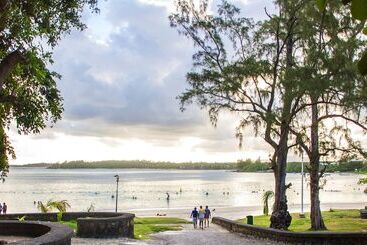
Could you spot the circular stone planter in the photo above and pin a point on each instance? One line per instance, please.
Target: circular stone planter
(34, 232)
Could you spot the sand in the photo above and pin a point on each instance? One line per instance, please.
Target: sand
(238, 212)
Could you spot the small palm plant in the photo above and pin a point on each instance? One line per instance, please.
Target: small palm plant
(266, 197)
(43, 207)
(61, 206)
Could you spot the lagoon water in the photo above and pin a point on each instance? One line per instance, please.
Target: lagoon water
(82, 187)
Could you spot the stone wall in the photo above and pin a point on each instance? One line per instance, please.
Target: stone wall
(364, 213)
(120, 226)
(45, 233)
(326, 238)
(67, 216)
(90, 224)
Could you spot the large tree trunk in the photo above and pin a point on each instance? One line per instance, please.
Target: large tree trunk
(280, 217)
(317, 223)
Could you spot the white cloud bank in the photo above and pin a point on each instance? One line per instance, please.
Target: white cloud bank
(120, 81)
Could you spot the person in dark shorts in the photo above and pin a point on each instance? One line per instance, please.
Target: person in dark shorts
(194, 215)
(207, 216)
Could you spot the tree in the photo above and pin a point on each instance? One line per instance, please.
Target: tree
(328, 50)
(29, 30)
(246, 68)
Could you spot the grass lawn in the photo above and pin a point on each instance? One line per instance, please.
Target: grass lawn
(145, 226)
(72, 224)
(336, 220)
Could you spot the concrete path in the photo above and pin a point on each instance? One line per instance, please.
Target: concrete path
(214, 235)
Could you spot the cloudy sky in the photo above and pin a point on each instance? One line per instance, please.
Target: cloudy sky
(120, 79)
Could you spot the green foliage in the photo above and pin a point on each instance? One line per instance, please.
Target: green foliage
(28, 92)
(71, 223)
(44, 208)
(61, 206)
(296, 167)
(143, 227)
(321, 4)
(22, 218)
(252, 166)
(336, 221)
(362, 64)
(59, 216)
(265, 198)
(362, 181)
(358, 9)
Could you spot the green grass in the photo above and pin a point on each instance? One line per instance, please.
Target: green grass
(72, 224)
(146, 226)
(337, 220)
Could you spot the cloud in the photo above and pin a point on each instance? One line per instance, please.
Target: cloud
(120, 79)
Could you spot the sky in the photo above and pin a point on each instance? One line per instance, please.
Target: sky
(120, 80)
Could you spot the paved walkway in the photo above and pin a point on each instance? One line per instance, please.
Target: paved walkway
(214, 235)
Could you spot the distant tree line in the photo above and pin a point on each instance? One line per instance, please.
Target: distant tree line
(247, 165)
(295, 167)
(142, 164)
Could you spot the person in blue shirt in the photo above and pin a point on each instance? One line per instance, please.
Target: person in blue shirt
(207, 216)
(194, 215)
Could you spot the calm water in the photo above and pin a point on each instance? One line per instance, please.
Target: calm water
(83, 187)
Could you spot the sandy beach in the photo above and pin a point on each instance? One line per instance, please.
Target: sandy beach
(239, 212)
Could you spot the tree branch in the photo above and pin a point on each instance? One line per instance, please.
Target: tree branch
(7, 65)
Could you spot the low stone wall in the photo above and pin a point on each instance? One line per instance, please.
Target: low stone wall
(364, 213)
(67, 216)
(326, 238)
(46, 233)
(90, 224)
(120, 226)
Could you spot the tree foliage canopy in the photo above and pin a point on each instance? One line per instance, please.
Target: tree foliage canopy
(29, 30)
(358, 9)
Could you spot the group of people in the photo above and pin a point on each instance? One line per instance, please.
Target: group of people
(3, 208)
(201, 215)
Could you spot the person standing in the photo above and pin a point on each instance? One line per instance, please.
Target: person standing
(201, 217)
(1, 208)
(194, 215)
(5, 208)
(207, 216)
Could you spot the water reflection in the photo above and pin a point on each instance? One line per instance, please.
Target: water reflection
(185, 188)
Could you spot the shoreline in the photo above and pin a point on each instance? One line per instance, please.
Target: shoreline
(238, 212)
(233, 170)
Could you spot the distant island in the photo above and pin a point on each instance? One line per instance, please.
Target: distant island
(247, 165)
